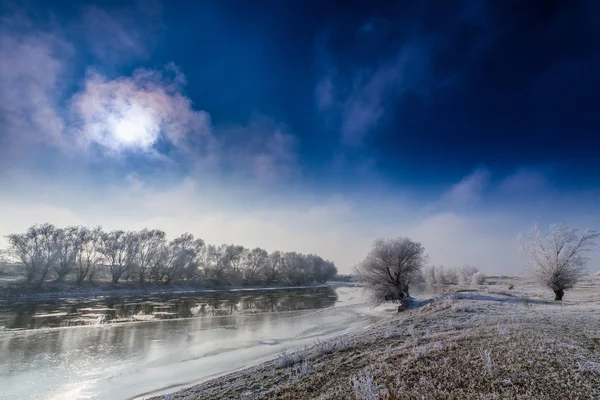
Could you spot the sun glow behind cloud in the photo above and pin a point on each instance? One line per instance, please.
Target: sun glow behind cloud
(135, 113)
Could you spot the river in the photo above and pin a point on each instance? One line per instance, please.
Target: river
(132, 347)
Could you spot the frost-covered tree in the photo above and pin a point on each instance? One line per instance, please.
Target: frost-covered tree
(87, 255)
(557, 258)
(440, 275)
(36, 250)
(119, 249)
(254, 262)
(66, 251)
(150, 245)
(181, 253)
(390, 267)
(272, 269)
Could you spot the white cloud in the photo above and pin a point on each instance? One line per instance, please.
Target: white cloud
(32, 67)
(469, 191)
(262, 149)
(364, 107)
(523, 182)
(145, 113)
(135, 113)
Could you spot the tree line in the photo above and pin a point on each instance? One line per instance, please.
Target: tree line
(46, 251)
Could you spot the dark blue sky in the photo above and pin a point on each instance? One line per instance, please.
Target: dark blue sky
(419, 92)
(503, 84)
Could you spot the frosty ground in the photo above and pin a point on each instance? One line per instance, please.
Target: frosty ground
(487, 342)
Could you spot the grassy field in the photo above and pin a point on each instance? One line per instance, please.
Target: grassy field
(484, 343)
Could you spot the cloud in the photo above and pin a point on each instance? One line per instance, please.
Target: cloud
(364, 107)
(135, 113)
(122, 37)
(360, 94)
(32, 73)
(524, 181)
(262, 149)
(469, 191)
(45, 110)
(324, 94)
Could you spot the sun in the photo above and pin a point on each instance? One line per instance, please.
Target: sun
(133, 127)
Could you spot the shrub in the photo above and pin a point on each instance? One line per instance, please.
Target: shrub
(301, 369)
(285, 359)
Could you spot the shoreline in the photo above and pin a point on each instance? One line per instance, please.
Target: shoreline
(119, 290)
(536, 349)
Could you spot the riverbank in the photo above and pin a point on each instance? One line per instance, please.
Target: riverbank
(469, 345)
(57, 290)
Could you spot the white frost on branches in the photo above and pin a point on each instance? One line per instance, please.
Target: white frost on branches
(557, 259)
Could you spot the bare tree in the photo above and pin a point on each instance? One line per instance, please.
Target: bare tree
(119, 249)
(318, 269)
(181, 252)
(66, 251)
(234, 260)
(390, 267)
(87, 255)
(148, 252)
(272, 268)
(294, 268)
(557, 258)
(254, 262)
(36, 250)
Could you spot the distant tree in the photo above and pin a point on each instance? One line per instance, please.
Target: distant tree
(146, 254)
(87, 254)
(557, 259)
(180, 253)
(36, 250)
(193, 268)
(294, 268)
(440, 275)
(66, 251)
(119, 249)
(150, 244)
(390, 267)
(271, 271)
(342, 278)
(233, 258)
(255, 261)
(318, 269)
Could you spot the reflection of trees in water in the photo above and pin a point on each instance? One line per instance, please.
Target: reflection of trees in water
(232, 305)
(22, 315)
(308, 299)
(184, 309)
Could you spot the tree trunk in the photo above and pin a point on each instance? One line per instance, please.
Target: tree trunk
(558, 294)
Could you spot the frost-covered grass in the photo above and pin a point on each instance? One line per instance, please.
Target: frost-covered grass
(301, 369)
(516, 345)
(486, 358)
(364, 386)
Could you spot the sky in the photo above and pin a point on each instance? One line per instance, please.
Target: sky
(305, 126)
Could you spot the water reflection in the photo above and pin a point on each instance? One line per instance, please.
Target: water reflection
(190, 337)
(19, 314)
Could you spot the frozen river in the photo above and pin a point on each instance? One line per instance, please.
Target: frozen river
(132, 347)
